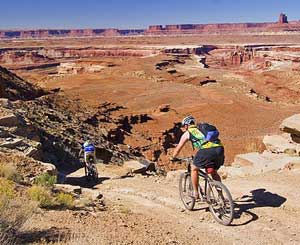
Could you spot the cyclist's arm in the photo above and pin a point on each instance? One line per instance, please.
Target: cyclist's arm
(184, 138)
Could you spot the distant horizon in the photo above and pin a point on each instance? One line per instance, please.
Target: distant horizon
(128, 28)
(136, 14)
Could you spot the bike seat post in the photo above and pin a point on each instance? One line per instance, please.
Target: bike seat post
(189, 167)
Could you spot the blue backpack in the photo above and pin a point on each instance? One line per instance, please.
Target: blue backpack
(210, 132)
(89, 148)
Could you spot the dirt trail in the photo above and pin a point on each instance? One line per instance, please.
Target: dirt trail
(267, 206)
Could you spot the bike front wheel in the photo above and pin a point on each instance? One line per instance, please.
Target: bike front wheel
(186, 191)
(220, 202)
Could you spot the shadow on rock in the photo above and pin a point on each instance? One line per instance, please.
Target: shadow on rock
(258, 198)
(83, 182)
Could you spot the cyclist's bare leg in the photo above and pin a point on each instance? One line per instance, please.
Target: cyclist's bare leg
(195, 180)
(217, 177)
(85, 159)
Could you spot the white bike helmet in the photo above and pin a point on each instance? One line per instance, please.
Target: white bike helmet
(188, 120)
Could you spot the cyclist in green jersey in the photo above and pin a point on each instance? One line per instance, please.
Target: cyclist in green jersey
(210, 155)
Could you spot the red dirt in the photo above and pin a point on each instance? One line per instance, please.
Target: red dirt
(135, 83)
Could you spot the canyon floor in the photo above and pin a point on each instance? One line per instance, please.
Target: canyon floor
(138, 88)
(144, 98)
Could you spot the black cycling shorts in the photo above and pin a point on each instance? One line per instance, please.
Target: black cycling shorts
(212, 157)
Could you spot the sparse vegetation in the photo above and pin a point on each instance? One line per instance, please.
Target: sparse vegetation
(14, 211)
(65, 200)
(45, 180)
(9, 172)
(6, 191)
(41, 195)
(6, 171)
(124, 210)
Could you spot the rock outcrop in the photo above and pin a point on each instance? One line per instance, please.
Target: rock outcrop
(75, 68)
(282, 152)
(291, 125)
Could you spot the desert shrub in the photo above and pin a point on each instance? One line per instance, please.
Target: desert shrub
(45, 180)
(6, 170)
(41, 195)
(16, 212)
(13, 214)
(6, 189)
(65, 200)
(9, 172)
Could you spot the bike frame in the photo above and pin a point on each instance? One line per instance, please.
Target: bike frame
(201, 174)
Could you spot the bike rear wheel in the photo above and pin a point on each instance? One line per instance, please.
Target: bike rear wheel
(94, 172)
(220, 202)
(186, 191)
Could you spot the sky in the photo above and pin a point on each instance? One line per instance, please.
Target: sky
(127, 14)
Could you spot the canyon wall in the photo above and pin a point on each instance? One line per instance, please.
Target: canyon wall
(12, 57)
(281, 25)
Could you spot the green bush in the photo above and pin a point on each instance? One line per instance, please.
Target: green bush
(45, 180)
(41, 195)
(65, 200)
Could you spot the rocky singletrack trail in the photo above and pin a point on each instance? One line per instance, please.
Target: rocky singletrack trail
(267, 210)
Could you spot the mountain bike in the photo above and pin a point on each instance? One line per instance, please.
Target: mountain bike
(90, 169)
(214, 193)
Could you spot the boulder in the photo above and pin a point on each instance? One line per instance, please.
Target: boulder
(138, 166)
(247, 160)
(280, 144)
(295, 138)
(255, 163)
(291, 125)
(278, 163)
(31, 152)
(49, 168)
(10, 120)
(228, 171)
